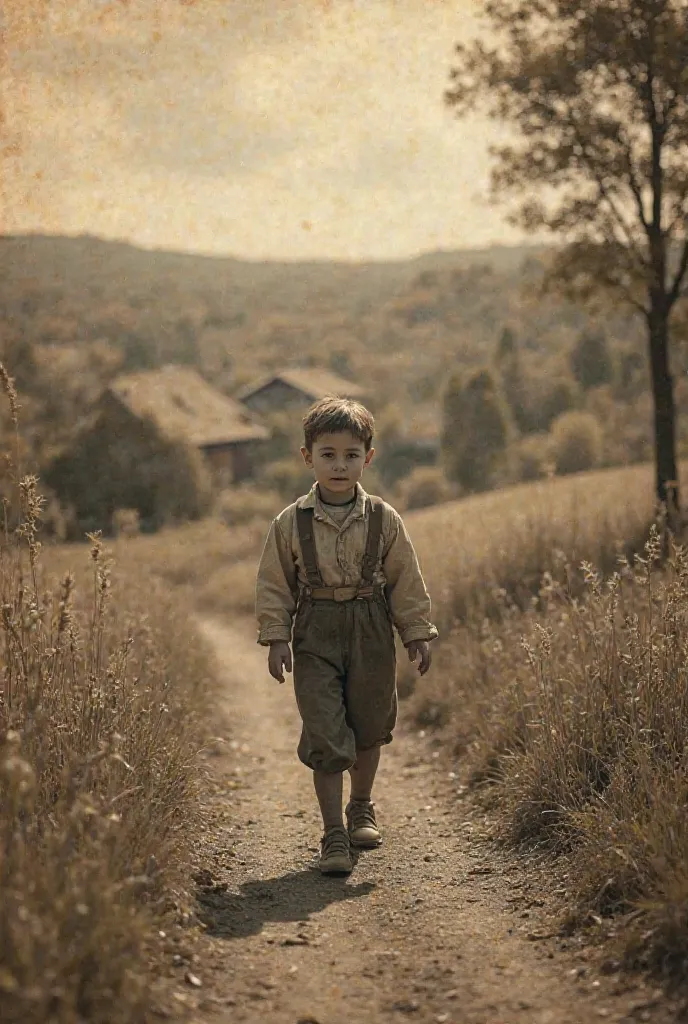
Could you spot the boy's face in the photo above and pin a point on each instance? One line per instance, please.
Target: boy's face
(338, 461)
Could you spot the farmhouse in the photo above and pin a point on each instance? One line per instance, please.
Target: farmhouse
(158, 442)
(296, 388)
(183, 406)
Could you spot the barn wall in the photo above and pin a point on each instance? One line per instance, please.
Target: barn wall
(231, 463)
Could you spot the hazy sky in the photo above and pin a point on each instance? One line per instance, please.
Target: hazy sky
(259, 128)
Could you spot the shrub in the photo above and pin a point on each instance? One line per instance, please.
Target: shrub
(399, 458)
(289, 477)
(426, 485)
(576, 442)
(551, 392)
(531, 458)
(166, 481)
(239, 506)
(126, 522)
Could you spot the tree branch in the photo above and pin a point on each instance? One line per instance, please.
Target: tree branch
(595, 172)
(675, 290)
(633, 182)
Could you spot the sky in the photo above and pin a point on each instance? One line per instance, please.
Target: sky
(263, 129)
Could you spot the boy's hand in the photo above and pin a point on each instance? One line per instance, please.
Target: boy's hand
(422, 648)
(279, 659)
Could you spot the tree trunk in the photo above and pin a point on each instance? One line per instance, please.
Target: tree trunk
(664, 411)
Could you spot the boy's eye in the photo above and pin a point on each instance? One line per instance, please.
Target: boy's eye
(353, 455)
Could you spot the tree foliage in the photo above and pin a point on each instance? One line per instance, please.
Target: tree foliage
(597, 94)
(475, 430)
(591, 360)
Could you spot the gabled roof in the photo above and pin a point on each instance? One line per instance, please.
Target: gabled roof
(182, 404)
(313, 382)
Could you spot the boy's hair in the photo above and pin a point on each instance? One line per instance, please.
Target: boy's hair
(334, 415)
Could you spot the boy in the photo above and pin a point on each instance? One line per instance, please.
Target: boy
(338, 567)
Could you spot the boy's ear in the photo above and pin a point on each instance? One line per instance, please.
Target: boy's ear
(307, 457)
(369, 457)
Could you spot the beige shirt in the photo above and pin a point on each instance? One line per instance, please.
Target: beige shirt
(340, 549)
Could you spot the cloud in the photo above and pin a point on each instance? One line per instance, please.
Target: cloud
(226, 125)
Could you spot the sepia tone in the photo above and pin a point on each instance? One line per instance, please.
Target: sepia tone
(470, 216)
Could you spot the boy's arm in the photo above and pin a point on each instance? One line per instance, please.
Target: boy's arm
(276, 588)
(408, 597)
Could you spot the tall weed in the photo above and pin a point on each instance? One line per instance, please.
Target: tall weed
(104, 687)
(576, 712)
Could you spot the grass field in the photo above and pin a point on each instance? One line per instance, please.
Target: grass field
(105, 699)
(496, 547)
(561, 686)
(562, 696)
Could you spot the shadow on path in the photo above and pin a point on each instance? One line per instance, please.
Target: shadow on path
(291, 897)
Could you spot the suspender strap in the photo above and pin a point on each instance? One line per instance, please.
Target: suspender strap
(304, 522)
(370, 558)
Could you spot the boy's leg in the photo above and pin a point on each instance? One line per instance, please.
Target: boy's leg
(371, 707)
(328, 789)
(327, 743)
(360, 812)
(335, 852)
(363, 773)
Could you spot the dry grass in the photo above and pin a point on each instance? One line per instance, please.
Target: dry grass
(493, 547)
(208, 565)
(104, 692)
(569, 704)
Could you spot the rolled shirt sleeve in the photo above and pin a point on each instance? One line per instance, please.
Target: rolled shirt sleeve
(407, 594)
(276, 588)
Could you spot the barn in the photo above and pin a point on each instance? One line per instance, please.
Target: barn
(296, 389)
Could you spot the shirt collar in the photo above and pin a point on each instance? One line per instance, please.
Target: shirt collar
(312, 500)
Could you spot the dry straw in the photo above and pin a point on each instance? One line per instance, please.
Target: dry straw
(103, 688)
(564, 687)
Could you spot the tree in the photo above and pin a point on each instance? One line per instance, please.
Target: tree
(507, 346)
(591, 361)
(475, 430)
(597, 92)
(509, 367)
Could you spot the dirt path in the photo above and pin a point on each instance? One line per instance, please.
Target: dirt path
(433, 927)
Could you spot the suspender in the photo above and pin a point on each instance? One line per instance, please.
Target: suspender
(372, 542)
(304, 522)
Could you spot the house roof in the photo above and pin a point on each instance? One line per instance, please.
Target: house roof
(313, 382)
(182, 404)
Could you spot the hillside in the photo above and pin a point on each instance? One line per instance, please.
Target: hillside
(39, 263)
(75, 312)
(87, 305)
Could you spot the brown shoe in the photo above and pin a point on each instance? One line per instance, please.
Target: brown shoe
(335, 852)
(362, 824)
